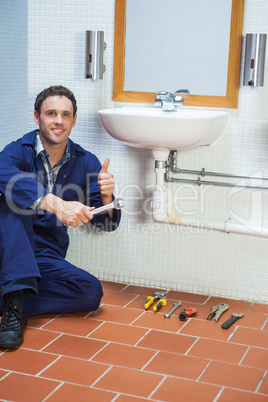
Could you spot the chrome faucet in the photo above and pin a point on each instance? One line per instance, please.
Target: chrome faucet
(168, 101)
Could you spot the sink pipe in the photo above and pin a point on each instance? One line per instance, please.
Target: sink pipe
(162, 210)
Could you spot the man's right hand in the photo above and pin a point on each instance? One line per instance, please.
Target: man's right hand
(70, 213)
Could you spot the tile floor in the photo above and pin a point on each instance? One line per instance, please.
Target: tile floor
(126, 354)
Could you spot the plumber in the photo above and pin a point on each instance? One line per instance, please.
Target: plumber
(47, 183)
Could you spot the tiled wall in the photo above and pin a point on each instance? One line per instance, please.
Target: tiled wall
(13, 70)
(141, 251)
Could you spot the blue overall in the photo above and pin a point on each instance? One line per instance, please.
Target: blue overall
(33, 244)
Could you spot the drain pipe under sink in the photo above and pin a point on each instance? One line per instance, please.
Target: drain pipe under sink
(159, 202)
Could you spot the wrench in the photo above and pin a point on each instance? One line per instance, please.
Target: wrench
(175, 305)
(227, 324)
(116, 204)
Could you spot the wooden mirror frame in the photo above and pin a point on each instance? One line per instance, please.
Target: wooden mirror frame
(228, 101)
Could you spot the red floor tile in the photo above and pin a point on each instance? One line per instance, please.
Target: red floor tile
(111, 297)
(142, 290)
(73, 325)
(205, 329)
(126, 398)
(186, 297)
(177, 365)
(75, 371)
(232, 395)
(26, 361)
(123, 355)
(75, 346)
(256, 357)
(128, 381)
(38, 321)
(157, 321)
(24, 388)
(264, 386)
(159, 340)
(180, 390)
(71, 393)
(251, 337)
(232, 375)
(115, 314)
(37, 339)
(106, 285)
(217, 350)
(260, 308)
(237, 306)
(120, 333)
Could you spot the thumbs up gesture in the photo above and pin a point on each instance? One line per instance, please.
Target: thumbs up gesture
(106, 182)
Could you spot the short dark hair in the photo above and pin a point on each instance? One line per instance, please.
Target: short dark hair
(53, 91)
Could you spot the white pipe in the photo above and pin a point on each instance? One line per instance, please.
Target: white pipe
(162, 212)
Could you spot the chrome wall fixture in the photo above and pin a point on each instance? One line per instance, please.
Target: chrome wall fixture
(95, 46)
(254, 59)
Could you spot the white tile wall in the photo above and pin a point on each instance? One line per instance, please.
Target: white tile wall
(141, 251)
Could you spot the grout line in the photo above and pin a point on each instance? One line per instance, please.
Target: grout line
(42, 349)
(147, 333)
(157, 387)
(244, 355)
(100, 350)
(231, 335)
(101, 376)
(52, 392)
(198, 378)
(95, 329)
(261, 381)
(186, 353)
(264, 324)
(49, 365)
(149, 361)
(219, 395)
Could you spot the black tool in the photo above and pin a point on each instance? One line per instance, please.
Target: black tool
(227, 324)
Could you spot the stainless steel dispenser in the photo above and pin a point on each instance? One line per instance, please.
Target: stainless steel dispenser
(95, 45)
(254, 59)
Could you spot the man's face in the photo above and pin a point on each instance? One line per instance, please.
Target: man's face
(56, 120)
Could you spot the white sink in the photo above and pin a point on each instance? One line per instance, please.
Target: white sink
(152, 128)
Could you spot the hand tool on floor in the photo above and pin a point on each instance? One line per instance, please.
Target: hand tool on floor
(175, 306)
(157, 296)
(227, 324)
(116, 204)
(187, 312)
(217, 311)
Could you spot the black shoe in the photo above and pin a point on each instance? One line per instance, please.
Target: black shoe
(12, 326)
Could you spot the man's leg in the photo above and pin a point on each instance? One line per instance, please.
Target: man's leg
(18, 273)
(64, 288)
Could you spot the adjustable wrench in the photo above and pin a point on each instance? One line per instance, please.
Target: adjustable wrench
(175, 305)
(116, 204)
(227, 324)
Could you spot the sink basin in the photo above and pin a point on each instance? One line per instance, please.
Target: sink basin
(152, 128)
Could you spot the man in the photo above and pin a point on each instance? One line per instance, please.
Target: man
(47, 183)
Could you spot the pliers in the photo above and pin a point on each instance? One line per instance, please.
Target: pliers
(157, 295)
(217, 311)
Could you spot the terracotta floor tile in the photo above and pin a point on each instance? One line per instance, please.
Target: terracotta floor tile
(180, 390)
(25, 388)
(232, 375)
(25, 361)
(264, 387)
(38, 338)
(186, 297)
(122, 355)
(73, 325)
(237, 306)
(177, 365)
(167, 342)
(120, 333)
(217, 350)
(205, 329)
(76, 371)
(106, 285)
(71, 393)
(115, 314)
(75, 346)
(232, 395)
(157, 321)
(37, 321)
(256, 357)
(129, 381)
(142, 290)
(252, 337)
(111, 297)
(126, 398)
(3, 373)
(259, 308)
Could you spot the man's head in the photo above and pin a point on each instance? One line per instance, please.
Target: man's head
(57, 90)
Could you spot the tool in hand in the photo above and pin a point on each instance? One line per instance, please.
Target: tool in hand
(227, 324)
(116, 204)
(158, 295)
(217, 311)
(187, 312)
(175, 305)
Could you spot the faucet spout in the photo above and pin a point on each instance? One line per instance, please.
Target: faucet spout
(168, 101)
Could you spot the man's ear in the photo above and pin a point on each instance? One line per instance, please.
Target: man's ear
(36, 117)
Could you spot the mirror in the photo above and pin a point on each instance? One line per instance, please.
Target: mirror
(145, 18)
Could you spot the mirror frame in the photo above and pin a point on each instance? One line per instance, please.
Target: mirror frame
(228, 101)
